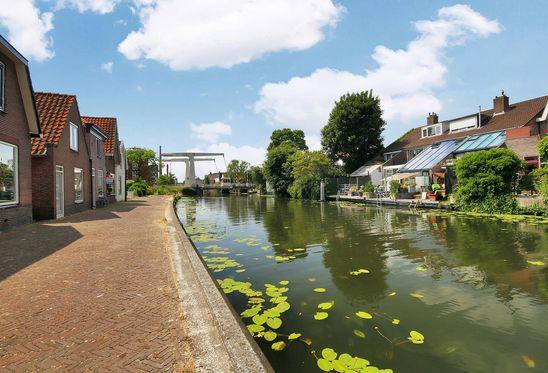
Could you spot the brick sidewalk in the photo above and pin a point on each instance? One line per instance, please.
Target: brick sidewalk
(94, 291)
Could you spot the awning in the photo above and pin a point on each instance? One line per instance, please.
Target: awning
(481, 142)
(430, 157)
(365, 170)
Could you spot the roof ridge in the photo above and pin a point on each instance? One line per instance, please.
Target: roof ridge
(54, 93)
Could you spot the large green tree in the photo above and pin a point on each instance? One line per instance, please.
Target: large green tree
(287, 136)
(308, 169)
(258, 178)
(238, 171)
(278, 167)
(353, 133)
(140, 160)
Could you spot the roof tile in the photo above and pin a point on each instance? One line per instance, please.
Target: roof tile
(109, 126)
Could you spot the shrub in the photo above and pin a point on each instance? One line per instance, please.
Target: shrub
(367, 187)
(503, 204)
(167, 179)
(539, 178)
(139, 187)
(394, 187)
(543, 149)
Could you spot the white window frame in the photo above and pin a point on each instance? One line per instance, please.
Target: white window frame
(81, 172)
(16, 174)
(435, 128)
(98, 147)
(74, 136)
(2, 86)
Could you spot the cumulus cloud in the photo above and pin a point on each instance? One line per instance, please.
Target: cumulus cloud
(96, 6)
(107, 66)
(405, 79)
(211, 132)
(27, 28)
(186, 34)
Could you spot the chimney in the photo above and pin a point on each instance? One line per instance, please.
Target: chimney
(432, 118)
(501, 104)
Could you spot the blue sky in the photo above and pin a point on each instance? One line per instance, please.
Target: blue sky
(221, 75)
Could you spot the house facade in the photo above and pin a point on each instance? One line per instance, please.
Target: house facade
(121, 174)
(95, 139)
(425, 154)
(18, 125)
(113, 156)
(61, 172)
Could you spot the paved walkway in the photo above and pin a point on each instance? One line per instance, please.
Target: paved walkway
(94, 291)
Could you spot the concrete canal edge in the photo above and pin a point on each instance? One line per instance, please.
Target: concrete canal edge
(220, 341)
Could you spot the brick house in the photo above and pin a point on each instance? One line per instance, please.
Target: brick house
(425, 153)
(95, 139)
(61, 172)
(114, 157)
(18, 124)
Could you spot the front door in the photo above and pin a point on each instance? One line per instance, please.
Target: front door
(59, 192)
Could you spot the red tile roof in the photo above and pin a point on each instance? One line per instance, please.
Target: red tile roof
(109, 126)
(518, 115)
(53, 112)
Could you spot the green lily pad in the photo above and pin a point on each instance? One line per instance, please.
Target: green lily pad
(240, 270)
(338, 366)
(270, 335)
(284, 282)
(254, 328)
(325, 365)
(359, 333)
(421, 268)
(364, 315)
(274, 323)
(282, 307)
(535, 262)
(294, 336)
(320, 290)
(329, 354)
(278, 346)
(321, 315)
(392, 294)
(416, 295)
(346, 359)
(326, 305)
(250, 312)
(259, 319)
(395, 321)
(416, 337)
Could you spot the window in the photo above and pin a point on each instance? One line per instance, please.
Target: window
(74, 137)
(9, 188)
(431, 130)
(100, 183)
(98, 146)
(2, 86)
(78, 185)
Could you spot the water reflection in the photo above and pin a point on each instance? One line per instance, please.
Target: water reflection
(484, 305)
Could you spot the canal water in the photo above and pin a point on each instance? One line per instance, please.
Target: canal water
(405, 290)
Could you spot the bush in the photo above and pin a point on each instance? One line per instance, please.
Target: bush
(539, 178)
(503, 204)
(543, 149)
(167, 179)
(367, 187)
(139, 187)
(394, 188)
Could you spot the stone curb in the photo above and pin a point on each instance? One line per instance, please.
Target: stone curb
(220, 341)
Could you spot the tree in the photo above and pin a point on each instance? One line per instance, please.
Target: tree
(543, 149)
(278, 167)
(487, 179)
(258, 178)
(308, 169)
(139, 160)
(238, 171)
(167, 179)
(353, 133)
(287, 136)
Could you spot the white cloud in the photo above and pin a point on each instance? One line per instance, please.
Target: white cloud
(96, 6)
(27, 28)
(185, 34)
(211, 132)
(107, 66)
(405, 79)
(251, 154)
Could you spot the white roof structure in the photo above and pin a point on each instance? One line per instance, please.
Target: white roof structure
(365, 170)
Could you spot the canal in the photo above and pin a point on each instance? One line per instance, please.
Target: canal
(346, 286)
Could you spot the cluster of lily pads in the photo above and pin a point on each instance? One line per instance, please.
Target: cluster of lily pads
(331, 361)
(220, 263)
(215, 250)
(229, 285)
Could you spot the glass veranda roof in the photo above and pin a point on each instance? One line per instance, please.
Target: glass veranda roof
(481, 142)
(430, 157)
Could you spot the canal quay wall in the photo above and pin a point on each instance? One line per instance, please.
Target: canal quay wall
(426, 204)
(219, 339)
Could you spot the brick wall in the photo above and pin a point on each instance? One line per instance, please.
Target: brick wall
(14, 130)
(97, 161)
(43, 187)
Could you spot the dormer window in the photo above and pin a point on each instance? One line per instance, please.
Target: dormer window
(74, 137)
(464, 124)
(433, 130)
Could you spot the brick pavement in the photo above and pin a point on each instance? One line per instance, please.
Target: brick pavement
(94, 291)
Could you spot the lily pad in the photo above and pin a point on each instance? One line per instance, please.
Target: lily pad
(282, 307)
(320, 290)
(254, 328)
(294, 336)
(535, 262)
(329, 354)
(325, 365)
(274, 323)
(421, 268)
(364, 315)
(359, 333)
(416, 295)
(416, 337)
(395, 321)
(259, 319)
(284, 282)
(326, 305)
(321, 315)
(392, 294)
(278, 346)
(270, 335)
(250, 312)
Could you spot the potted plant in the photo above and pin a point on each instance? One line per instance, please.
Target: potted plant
(368, 189)
(352, 190)
(394, 188)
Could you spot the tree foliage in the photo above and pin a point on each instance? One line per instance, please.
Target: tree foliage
(488, 177)
(353, 133)
(167, 179)
(140, 159)
(278, 167)
(238, 171)
(543, 149)
(258, 178)
(287, 136)
(308, 169)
